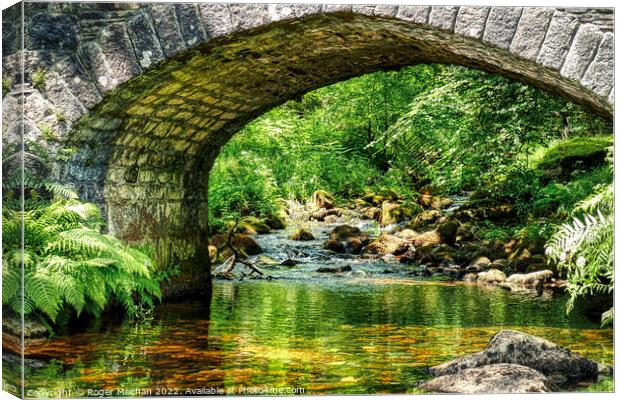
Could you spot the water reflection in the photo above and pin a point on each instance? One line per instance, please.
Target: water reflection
(343, 336)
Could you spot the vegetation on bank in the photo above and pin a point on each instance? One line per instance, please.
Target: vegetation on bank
(70, 267)
(440, 130)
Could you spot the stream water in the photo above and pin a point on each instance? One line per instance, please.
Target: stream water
(373, 330)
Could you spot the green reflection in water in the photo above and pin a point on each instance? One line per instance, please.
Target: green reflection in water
(334, 336)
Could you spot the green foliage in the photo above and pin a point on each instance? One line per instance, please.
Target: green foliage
(48, 133)
(60, 117)
(38, 78)
(67, 262)
(7, 84)
(583, 247)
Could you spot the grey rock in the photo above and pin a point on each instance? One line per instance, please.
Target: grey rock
(52, 31)
(216, 19)
(597, 75)
(190, 23)
(330, 8)
(168, 30)
(443, 17)
(384, 10)
(501, 26)
(581, 52)
(491, 276)
(415, 14)
(495, 378)
(531, 32)
(246, 16)
(558, 39)
(530, 280)
(512, 347)
(144, 39)
(470, 21)
(279, 12)
(363, 9)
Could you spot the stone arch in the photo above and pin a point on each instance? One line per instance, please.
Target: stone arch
(151, 92)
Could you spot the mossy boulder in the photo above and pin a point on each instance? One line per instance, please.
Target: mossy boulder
(322, 199)
(302, 234)
(388, 244)
(344, 232)
(571, 154)
(276, 221)
(245, 244)
(424, 219)
(252, 226)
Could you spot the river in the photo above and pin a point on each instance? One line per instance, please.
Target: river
(372, 330)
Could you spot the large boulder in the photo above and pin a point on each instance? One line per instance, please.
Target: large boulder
(323, 213)
(302, 234)
(337, 246)
(447, 231)
(322, 199)
(495, 378)
(531, 280)
(512, 347)
(434, 202)
(424, 219)
(388, 244)
(252, 226)
(344, 232)
(408, 234)
(491, 276)
(245, 244)
(430, 238)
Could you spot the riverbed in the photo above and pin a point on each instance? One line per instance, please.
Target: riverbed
(372, 330)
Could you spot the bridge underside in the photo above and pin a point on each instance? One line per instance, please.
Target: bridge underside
(145, 151)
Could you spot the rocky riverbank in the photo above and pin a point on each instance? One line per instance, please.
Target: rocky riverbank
(433, 238)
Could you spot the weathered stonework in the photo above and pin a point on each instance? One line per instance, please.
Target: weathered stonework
(145, 95)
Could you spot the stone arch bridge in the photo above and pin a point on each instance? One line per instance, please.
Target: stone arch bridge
(134, 101)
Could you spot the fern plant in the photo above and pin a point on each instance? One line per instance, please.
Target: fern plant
(68, 264)
(583, 247)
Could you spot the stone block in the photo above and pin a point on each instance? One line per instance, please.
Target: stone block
(190, 23)
(416, 14)
(167, 27)
(470, 21)
(443, 17)
(144, 39)
(557, 42)
(599, 76)
(501, 26)
(247, 16)
(582, 51)
(531, 32)
(216, 19)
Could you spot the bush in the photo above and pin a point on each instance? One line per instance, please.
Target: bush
(68, 264)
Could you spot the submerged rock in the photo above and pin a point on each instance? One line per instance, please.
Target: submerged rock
(334, 270)
(495, 378)
(335, 245)
(512, 347)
